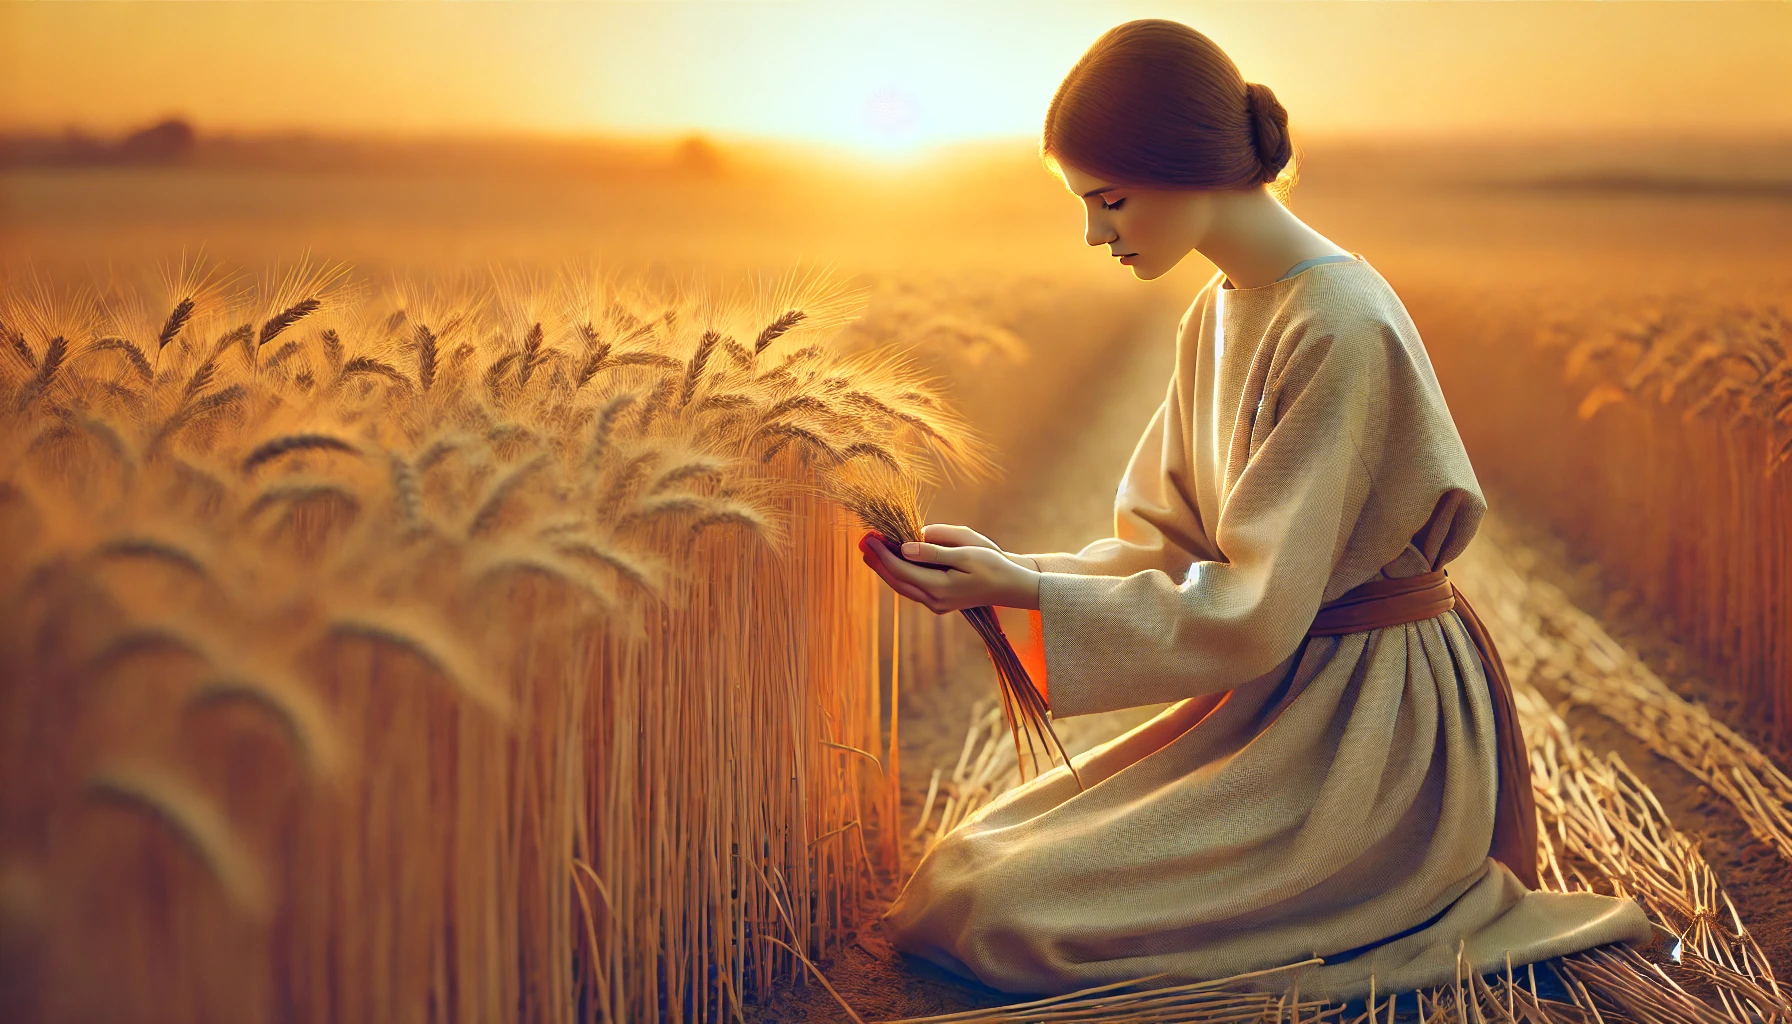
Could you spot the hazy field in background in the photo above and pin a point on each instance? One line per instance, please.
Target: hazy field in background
(1547, 210)
(979, 230)
(975, 233)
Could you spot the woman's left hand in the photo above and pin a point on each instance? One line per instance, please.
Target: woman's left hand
(966, 576)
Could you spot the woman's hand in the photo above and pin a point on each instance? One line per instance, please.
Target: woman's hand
(964, 537)
(960, 568)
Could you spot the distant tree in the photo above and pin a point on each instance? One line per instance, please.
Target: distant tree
(697, 153)
(166, 142)
(77, 146)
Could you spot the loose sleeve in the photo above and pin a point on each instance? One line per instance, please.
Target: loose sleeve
(1157, 521)
(1140, 635)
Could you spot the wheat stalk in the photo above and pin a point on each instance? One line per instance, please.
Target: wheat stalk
(890, 509)
(280, 321)
(177, 319)
(274, 448)
(194, 820)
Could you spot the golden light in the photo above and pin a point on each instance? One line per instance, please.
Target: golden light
(876, 78)
(883, 79)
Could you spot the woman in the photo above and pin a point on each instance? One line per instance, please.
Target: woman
(1341, 775)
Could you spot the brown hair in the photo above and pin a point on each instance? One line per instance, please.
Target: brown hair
(1153, 102)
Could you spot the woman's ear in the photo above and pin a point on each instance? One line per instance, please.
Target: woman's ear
(1200, 209)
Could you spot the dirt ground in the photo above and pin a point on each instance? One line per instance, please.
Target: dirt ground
(1062, 500)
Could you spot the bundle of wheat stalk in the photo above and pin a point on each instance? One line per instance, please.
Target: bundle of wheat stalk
(1671, 420)
(1600, 829)
(444, 652)
(888, 505)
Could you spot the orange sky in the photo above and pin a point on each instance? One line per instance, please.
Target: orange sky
(874, 75)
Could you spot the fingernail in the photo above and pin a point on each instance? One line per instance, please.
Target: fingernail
(910, 550)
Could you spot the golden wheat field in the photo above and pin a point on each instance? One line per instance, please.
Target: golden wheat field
(396, 636)
(432, 592)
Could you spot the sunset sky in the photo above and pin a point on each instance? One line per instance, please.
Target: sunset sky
(873, 75)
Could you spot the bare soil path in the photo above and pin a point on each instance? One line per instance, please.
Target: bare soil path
(1065, 499)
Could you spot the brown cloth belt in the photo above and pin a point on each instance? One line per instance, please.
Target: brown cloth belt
(1385, 602)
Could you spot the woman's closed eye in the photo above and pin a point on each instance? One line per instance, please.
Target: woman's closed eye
(1115, 205)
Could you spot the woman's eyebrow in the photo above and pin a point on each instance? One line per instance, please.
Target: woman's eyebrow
(1099, 191)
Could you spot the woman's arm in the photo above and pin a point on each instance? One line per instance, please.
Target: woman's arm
(1155, 526)
(1122, 641)
(1157, 521)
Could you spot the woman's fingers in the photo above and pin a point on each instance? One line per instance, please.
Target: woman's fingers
(880, 565)
(935, 554)
(955, 536)
(911, 581)
(893, 567)
(915, 575)
(907, 590)
(868, 550)
(958, 577)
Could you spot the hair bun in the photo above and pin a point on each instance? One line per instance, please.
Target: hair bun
(1269, 129)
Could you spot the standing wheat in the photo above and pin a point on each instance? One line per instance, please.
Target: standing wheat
(777, 328)
(183, 311)
(694, 371)
(426, 357)
(286, 318)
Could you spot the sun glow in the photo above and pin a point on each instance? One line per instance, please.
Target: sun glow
(886, 81)
(874, 77)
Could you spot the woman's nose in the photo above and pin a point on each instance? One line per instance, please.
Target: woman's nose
(1099, 232)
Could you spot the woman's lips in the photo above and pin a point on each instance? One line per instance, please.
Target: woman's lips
(1126, 260)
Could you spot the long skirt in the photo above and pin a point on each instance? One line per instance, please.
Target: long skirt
(1341, 807)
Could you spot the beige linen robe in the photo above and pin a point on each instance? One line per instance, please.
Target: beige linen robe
(1282, 809)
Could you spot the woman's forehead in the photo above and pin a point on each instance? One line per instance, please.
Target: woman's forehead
(1082, 183)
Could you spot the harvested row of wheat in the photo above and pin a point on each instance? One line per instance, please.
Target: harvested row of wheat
(1569, 655)
(436, 651)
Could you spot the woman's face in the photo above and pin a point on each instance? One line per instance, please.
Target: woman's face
(1148, 229)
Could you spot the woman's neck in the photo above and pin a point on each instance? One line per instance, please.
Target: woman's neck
(1254, 239)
